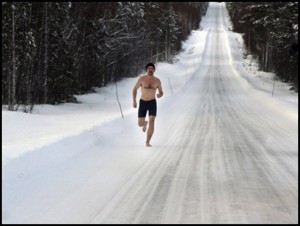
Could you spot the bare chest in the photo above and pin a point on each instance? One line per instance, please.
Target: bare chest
(149, 83)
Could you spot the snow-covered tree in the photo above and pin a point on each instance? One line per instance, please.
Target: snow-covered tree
(271, 31)
(53, 50)
(18, 49)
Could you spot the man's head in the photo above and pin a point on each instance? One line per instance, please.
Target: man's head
(150, 65)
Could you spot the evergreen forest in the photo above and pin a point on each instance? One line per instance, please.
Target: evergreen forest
(52, 51)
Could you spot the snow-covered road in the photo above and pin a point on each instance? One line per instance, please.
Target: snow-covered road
(223, 152)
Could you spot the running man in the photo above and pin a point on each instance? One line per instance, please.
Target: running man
(149, 84)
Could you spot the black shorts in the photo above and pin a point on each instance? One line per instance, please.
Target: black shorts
(147, 106)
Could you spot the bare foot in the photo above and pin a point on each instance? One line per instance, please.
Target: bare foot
(148, 145)
(145, 126)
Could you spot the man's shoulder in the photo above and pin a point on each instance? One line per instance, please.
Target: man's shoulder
(142, 77)
(157, 79)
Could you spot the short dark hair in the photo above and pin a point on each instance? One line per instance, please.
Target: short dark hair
(150, 64)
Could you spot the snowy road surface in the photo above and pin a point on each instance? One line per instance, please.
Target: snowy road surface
(223, 152)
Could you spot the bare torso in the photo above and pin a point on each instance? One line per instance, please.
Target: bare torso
(149, 84)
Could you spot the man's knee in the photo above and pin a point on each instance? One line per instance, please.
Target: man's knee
(151, 119)
(141, 122)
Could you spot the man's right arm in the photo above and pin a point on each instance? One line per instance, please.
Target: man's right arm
(134, 92)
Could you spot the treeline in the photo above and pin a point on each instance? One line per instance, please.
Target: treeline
(271, 33)
(53, 50)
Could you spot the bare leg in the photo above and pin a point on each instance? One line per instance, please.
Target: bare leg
(143, 123)
(150, 130)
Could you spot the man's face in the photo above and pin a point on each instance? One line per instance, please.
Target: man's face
(150, 70)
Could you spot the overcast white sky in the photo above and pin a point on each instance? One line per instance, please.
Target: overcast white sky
(224, 150)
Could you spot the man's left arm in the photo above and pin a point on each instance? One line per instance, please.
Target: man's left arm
(160, 91)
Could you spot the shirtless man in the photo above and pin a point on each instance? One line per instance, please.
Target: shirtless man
(149, 84)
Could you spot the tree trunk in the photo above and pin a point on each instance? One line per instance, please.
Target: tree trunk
(249, 47)
(13, 90)
(29, 74)
(266, 56)
(157, 51)
(46, 56)
(166, 46)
